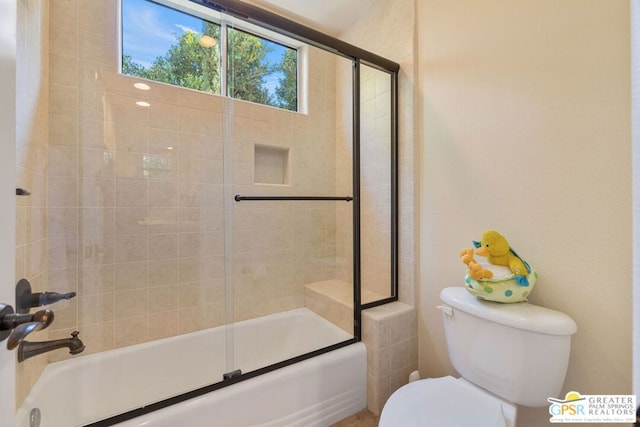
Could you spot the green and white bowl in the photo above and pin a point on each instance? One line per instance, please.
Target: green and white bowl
(502, 287)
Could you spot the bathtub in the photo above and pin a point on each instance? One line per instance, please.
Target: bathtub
(313, 392)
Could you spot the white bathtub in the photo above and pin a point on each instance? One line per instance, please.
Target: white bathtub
(315, 392)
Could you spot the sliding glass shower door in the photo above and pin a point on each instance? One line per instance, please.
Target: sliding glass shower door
(291, 215)
(207, 217)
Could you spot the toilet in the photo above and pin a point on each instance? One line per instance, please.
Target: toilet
(506, 354)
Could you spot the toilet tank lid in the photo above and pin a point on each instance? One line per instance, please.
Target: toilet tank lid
(520, 315)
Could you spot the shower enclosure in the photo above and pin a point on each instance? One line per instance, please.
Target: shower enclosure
(171, 210)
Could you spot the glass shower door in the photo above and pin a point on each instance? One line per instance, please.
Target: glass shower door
(292, 216)
(129, 204)
(378, 186)
(201, 230)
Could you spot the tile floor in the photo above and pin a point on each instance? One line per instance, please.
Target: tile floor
(363, 418)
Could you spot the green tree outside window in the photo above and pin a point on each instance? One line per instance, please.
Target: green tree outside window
(190, 63)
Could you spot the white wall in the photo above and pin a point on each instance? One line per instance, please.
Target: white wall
(7, 194)
(526, 129)
(31, 163)
(635, 81)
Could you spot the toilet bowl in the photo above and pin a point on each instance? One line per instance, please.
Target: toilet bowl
(506, 355)
(446, 402)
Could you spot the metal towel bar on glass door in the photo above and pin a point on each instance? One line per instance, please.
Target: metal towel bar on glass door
(239, 198)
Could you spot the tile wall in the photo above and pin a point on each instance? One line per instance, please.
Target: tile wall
(134, 200)
(139, 197)
(390, 331)
(387, 30)
(375, 192)
(375, 176)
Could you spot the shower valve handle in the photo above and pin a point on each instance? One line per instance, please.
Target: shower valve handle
(44, 298)
(25, 298)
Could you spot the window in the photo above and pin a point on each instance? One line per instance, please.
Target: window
(266, 81)
(183, 44)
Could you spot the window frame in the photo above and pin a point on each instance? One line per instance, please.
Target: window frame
(226, 21)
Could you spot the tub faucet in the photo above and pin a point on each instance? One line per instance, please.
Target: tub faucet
(29, 349)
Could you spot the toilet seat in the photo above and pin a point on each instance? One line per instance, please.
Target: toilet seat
(443, 402)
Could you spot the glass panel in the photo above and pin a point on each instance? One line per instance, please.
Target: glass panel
(262, 71)
(375, 183)
(136, 215)
(169, 46)
(142, 223)
(292, 259)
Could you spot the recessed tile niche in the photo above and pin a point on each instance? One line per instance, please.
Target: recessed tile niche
(271, 164)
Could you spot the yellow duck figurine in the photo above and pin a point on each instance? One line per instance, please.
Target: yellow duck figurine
(495, 247)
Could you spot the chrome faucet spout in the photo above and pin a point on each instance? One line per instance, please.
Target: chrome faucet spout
(28, 349)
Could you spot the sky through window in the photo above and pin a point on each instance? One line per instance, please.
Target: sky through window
(149, 30)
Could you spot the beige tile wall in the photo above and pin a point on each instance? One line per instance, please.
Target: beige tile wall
(390, 331)
(375, 191)
(390, 334)
(139, 196)
(344, 167)
(387, 30)
(375, 177)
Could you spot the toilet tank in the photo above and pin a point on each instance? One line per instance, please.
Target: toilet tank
(519, 352)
